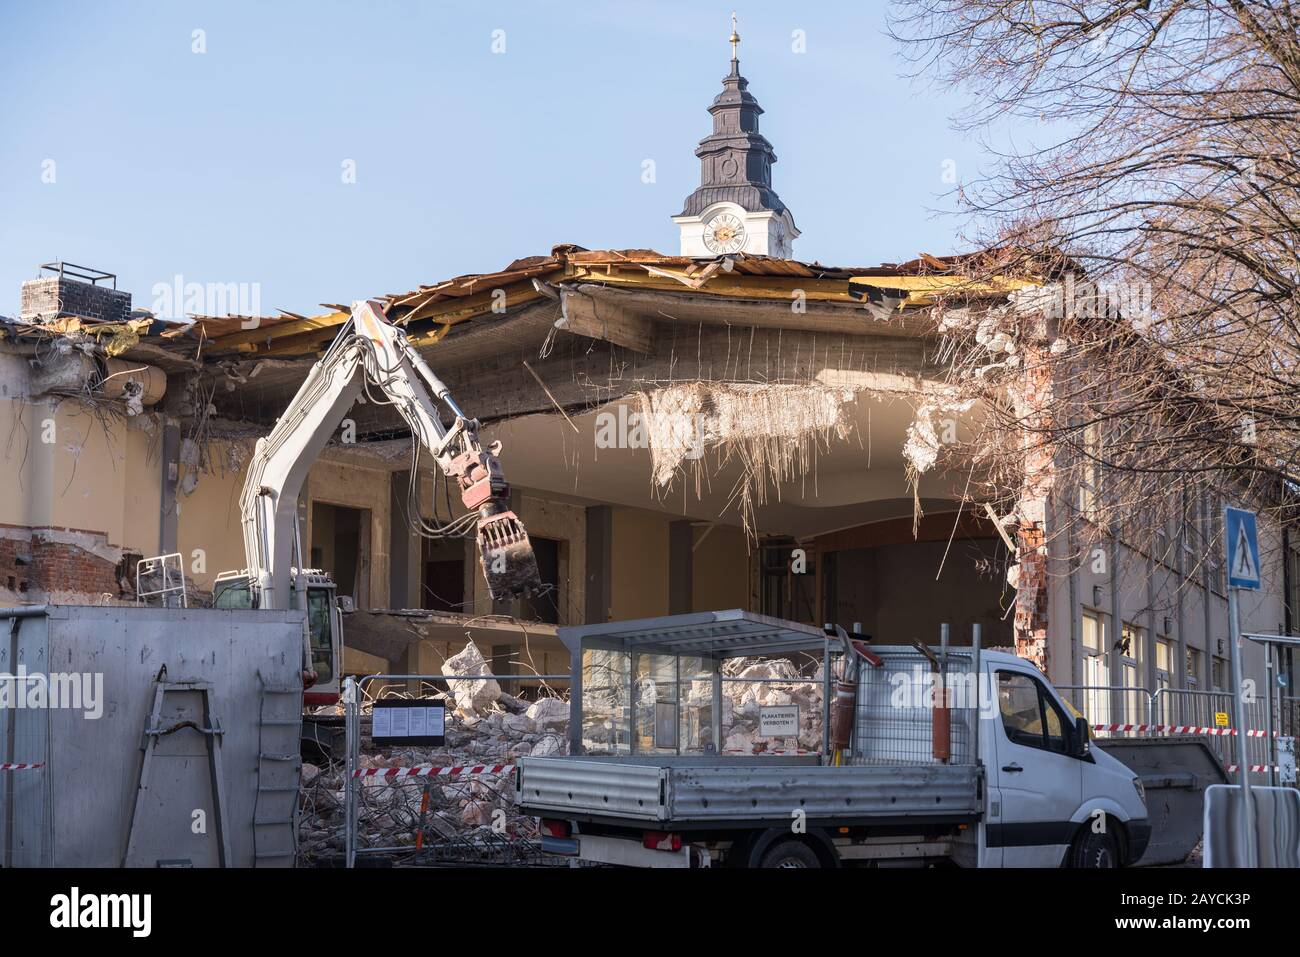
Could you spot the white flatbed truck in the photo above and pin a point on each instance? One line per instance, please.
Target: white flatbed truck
(1009, 779)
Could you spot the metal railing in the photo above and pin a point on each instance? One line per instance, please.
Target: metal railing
(1186, 707)
(1108, 705)
(171, 584)
(1129, 711)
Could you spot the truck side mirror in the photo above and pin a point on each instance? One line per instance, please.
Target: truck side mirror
(1082, 736)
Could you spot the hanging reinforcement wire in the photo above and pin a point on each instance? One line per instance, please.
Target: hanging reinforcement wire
(378, 374)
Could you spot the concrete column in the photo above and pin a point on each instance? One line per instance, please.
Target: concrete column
(600, 539)
(681, 567)
(167, 525)
(405, 574)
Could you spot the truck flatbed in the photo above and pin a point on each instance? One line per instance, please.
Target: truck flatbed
(695, 792)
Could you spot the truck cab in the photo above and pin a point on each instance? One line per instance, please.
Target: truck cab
(956, 754)
(1053, 798)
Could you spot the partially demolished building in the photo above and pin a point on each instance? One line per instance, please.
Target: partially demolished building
(727, 427)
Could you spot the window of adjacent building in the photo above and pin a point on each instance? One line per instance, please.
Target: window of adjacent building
(1192, 668)
(1096, 672)
(1164, 661)
(1215, 570)
(1218, 674)
(1090, 473)
(1133, 670)
(1293, 599)
(1162, 543)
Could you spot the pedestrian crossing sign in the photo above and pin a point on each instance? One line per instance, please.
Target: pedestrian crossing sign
(1241, 541)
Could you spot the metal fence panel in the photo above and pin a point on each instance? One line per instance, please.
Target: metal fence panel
(1121, 712)
(900, 714)
(1206, 709)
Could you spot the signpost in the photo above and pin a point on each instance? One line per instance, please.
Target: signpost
(1241, 549)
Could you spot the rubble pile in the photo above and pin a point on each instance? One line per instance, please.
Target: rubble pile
(484, 725)
(743, 699)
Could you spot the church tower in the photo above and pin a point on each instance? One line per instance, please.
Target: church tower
(735, 208)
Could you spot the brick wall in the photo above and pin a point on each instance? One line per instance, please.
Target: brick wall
(1033, 396)
(34, 567)
(50, 297)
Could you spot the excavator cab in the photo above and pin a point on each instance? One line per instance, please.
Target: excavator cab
(324, 625)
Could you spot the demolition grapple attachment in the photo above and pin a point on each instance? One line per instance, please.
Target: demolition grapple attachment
(509, 564)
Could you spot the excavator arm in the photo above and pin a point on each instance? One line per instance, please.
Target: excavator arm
(371, 355)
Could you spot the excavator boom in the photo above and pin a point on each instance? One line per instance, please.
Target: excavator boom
(369, 355)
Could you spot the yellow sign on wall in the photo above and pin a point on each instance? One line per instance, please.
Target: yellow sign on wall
(1220, 719)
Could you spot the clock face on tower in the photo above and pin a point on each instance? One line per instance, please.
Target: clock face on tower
(724, 233)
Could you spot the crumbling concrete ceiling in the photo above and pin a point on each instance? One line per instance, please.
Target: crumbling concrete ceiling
(484, 364)
(858, 479)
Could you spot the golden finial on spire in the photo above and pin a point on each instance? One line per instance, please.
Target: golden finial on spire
(735, 37)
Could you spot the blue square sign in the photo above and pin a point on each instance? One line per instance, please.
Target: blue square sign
(1241, 546)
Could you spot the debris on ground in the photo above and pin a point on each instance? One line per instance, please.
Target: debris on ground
(484, 726)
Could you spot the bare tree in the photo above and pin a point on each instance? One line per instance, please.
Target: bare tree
(1164, 209)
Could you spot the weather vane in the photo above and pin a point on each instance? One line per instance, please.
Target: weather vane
(735, 37)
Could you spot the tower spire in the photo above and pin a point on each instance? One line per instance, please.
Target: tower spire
(735, 208)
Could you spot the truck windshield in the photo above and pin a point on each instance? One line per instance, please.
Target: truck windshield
(318, 623)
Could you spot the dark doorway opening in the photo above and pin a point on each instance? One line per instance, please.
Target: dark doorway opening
(443, 575)
(546, 606)
(340, 546)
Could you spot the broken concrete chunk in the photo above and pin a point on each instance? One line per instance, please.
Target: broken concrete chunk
(547, 745)
(549, 713)
(518, 724)
(474, 697)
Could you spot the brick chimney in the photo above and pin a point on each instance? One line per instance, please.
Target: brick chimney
(74, 290)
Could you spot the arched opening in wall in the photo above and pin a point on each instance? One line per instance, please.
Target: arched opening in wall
(902, 586)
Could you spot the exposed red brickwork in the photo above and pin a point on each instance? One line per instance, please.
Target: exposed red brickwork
(39, 565)
(1031, 595)
(1033, 395)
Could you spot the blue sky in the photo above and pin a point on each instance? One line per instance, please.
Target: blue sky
(227, 166)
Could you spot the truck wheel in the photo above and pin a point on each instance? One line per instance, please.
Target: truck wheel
(1093, 851)
(790, 854)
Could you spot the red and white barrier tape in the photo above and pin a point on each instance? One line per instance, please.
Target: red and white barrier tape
(770, 751)
(433, 772)
(1255, 768)
(20, 767)
(1179, 729)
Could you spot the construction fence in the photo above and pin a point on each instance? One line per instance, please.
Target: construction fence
(413, 802)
